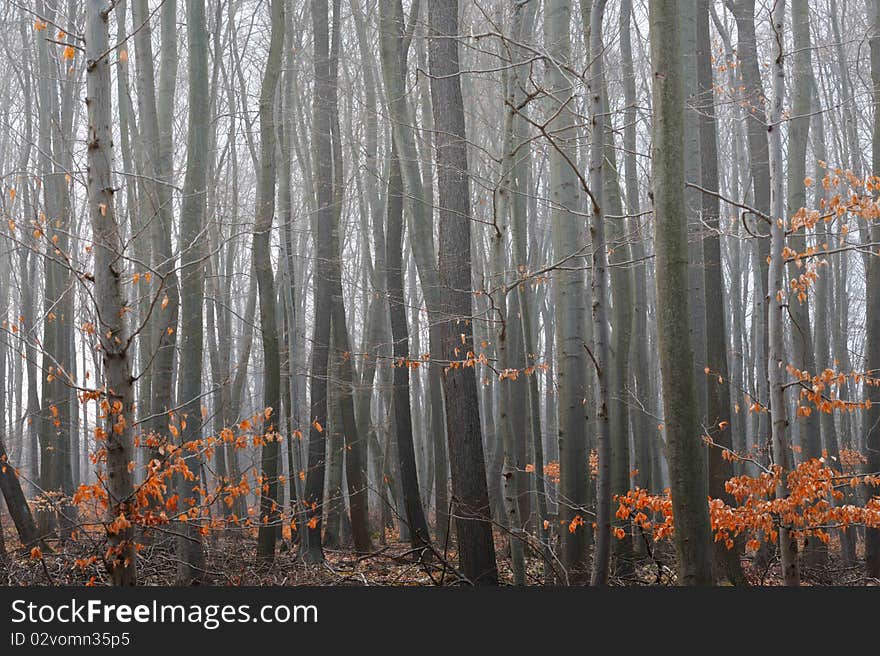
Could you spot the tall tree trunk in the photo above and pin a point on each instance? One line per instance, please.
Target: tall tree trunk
(322, 230)
(501, 317)
(759, 171)
(476, 551)
(265, 213)
(569, 299)
(157, 222)
(51, 427)
(601, 341)
(693, 201)
(293, 344)
(644, 436)
(777, 297)
(718, 383)
(109, 268)
(687, 471)
(872, 535)
(190, 565)
(404, 176)
(803, 356)
(326, 101)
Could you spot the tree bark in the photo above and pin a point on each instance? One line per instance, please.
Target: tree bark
(190, 567)
(404, 176)
(476, 551)
(265, 211)
(601, 353)
(777, 300)
(872, 535)
(717, 381)
(109, 265)
(687, 471)
(569, 300)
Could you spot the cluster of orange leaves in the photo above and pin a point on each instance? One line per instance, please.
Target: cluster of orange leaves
(551, 471)
(857, 200)
(822, 390)
(812, 506)
(154, 501)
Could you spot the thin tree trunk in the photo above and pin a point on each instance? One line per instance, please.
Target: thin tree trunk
(157, 220)
(803, 355)
(109, 269)
(759, 171)
(776, 295)
(569, 301)
(717, 381)
(269, 512)
(872, 535)
(190, 565)
(504, 424)
(326, 100)
(642, 437)
(601, 353)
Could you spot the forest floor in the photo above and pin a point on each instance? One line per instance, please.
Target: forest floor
(231, 561)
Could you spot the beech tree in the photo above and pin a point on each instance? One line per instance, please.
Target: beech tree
(116, 393)
(476, 548)
(681, 421)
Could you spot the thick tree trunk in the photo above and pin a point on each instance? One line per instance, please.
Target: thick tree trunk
(693, 200)
(476, 551)
(16, 503)
(687, 470)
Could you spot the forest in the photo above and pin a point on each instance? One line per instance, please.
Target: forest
(440, 292)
